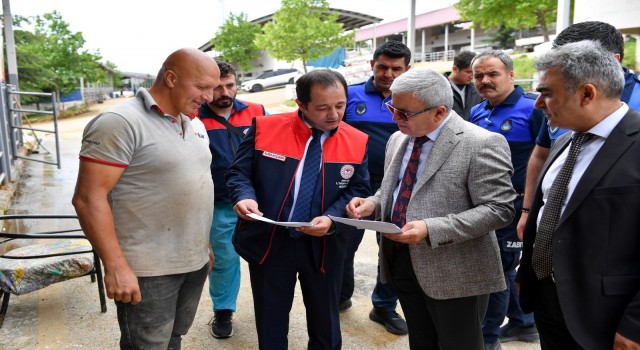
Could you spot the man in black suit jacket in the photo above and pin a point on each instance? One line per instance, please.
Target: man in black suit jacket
(465, 94)
(583, 283)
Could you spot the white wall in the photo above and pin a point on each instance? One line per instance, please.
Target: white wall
(623, 14)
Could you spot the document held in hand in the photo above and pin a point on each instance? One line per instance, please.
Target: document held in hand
(379, 226)
(280, 223)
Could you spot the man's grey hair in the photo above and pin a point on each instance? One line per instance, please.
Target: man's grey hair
(427, 85)
(585, 62)
(501, 55)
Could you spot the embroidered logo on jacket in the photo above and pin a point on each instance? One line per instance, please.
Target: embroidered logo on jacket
(347, 171)
(274, 156)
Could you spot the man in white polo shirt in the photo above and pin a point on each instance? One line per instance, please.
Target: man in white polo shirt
(144, 197)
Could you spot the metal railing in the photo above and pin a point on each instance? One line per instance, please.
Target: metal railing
(17, 127)
(436, 56)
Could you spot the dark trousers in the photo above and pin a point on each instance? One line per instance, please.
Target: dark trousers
(273, 284)
(506, 302)
(553, 331)
(450, 324)
(165, 314)
(383, 296)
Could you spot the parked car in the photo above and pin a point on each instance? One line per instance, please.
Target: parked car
(271, 79)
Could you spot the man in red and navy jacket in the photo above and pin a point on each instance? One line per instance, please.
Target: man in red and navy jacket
(226, 120)
(265, 179)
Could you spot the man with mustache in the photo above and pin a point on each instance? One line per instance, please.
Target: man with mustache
(509, 111)
(299, 166)
(226, 120)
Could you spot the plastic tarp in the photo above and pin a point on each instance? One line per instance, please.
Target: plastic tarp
(332, 60)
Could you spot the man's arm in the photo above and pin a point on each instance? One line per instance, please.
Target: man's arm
(534, 167)
(491, 193)
(95, 181)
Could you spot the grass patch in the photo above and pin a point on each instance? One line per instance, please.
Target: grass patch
(523, 67)
(290, 103)
(629, 59)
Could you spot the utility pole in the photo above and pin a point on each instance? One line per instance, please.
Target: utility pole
(12, 65)
(411, 31)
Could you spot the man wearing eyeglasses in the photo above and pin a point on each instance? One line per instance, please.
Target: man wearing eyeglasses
(447, 184)
(367, 112)
(508, 111)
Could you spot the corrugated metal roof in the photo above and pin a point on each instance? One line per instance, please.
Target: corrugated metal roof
(425, 20)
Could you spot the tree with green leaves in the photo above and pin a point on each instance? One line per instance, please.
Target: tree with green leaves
(304, 30)
(503, 36)
(521, 14)
(235, 41)
(51, 57)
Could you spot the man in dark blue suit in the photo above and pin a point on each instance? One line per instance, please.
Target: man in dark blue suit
(580, 272)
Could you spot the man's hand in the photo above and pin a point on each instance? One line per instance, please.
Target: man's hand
(122, 285)
(521, 224)
(321, 225)
(246, 206)
(360, 207)
(412, 233)
(622, 343)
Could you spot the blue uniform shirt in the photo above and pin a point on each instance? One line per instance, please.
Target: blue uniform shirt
(630, 95)
(366, 111)
(518, 121)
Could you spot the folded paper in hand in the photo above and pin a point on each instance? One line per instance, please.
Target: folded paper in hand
(379, 226)
(279, 223)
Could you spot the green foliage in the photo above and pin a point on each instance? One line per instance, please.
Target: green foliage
(304, 30)
(51, 57)
(235, 41)
(504, 37)
(116, 75)
(521, 14)
(523, 67)
(629, 59)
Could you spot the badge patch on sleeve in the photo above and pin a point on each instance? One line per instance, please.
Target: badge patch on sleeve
(274, 156)
(347, 171)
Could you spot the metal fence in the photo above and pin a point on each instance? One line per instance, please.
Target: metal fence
(12, 129)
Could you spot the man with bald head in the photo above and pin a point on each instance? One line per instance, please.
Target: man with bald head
(144, 197)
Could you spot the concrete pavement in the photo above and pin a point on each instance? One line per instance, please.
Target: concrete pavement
(66, 315)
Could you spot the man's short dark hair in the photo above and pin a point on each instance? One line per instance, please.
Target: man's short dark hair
(226, 69)
(604, 33)
(393, 49)
(463, 59)
(322, 77)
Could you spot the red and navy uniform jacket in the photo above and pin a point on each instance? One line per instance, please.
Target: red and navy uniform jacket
(223, 143)
(630, 96)
(265, 168)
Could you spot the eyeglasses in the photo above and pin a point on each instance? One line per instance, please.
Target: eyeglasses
(404, 115)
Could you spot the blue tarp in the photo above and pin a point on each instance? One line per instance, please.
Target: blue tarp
(75, 95)
(332, 60)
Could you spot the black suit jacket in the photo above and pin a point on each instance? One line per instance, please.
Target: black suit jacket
(596, 247)
(471, 98)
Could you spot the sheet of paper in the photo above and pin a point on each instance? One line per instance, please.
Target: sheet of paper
(379, 226)
(280, 223)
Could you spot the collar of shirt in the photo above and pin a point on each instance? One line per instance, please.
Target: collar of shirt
(605, 127)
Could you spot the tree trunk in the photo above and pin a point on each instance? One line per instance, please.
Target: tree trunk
(304, 66)
(543, 25)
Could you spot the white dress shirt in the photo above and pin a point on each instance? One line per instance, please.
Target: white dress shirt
(587, 152)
